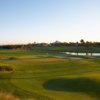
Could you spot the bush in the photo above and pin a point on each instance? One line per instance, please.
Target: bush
(6, 68)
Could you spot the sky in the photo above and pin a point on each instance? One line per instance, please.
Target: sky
(26, 21)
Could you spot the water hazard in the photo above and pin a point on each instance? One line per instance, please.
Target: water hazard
(83, 54)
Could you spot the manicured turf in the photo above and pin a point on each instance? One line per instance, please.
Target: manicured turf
(42, 76)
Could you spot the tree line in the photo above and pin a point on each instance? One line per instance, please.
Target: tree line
(56, 43)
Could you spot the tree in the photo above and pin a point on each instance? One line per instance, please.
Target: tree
(82, 41)
(29, 46)
(22, 47)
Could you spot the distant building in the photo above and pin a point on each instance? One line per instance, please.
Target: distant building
(56, 42)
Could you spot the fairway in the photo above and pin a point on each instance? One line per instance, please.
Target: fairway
(40, 75)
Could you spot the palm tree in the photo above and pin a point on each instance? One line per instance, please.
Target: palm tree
(82, 41)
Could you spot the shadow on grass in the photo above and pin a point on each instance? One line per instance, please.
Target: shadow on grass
(82, 85)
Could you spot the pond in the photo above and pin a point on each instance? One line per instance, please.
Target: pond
(76, 58)
(61, 57)
(8, 58)
(83, 54)
(69, 57)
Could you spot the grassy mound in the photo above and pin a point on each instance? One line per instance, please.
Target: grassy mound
(6, 68)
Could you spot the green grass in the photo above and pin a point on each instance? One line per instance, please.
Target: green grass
(50, 78)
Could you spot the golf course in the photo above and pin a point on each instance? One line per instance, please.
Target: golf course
(47, 74)
(49, 49)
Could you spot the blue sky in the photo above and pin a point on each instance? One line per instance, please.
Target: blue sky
(26, 21)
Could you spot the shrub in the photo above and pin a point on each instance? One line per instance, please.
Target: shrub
(6, 68)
